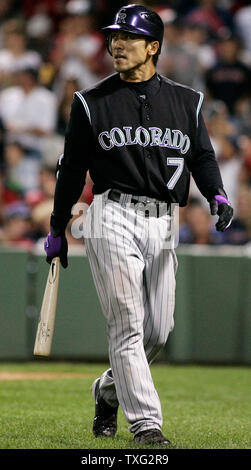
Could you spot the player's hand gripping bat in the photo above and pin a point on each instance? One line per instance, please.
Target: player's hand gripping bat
(45, 327)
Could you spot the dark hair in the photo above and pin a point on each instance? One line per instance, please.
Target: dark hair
(155, 19)
(32, 72)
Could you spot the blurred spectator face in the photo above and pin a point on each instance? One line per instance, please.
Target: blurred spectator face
(199, 220)
(217, 121)
(245, 145)
(41, 216)
(196, 35)
(244, 204)
(228, 50)
(172, 33)
(71, 86)
(25, 79)
(243, 108)
(5, 6)
(83, 24)
(47, 181)
(15, 41)
(13, 154)
(66, 26)
(79, 11)
(16, 228)
(65, 111)
(227, 149)
(39, 26)
(17, 222)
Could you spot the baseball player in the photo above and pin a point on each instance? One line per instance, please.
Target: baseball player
(140, 135)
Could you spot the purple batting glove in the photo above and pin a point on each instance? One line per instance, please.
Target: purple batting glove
(56, 246)
(221, 199)
(221, 206)
(52, 245)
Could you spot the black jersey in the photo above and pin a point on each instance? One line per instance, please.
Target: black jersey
(140, 138)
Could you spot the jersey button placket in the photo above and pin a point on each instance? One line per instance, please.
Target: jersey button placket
(147, 109)
(147, 117)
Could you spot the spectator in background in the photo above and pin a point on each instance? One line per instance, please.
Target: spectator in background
(182, 7)
(39, 29)
(41, 218)
(54, 9)
(28, 111)
(197, 225)
(14, 55)
(8, 8)
(242, 116)
(71, 85)
(177, 61)
(45, 190)
(78, 49)
(40, 202)
(9, 193)
(196, 39)
(220, 128)
(216, 19)
(89, 45)
(230, 164)
(245, 145)
(240, 231)
(61, 41)
(47, 181)
(218, 121)
(229, 79)
(242, 21)
(21, 169)
(2, 146)
(17, 226)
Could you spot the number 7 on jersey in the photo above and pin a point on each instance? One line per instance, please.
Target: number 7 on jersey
(179, 162)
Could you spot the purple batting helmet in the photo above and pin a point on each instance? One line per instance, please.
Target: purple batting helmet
(138, 19)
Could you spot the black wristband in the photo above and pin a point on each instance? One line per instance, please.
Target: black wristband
(58, 225)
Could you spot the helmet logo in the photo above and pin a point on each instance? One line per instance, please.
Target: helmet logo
(121, 16)
(145, 16)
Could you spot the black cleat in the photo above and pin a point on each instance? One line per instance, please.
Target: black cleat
(105, 419)
(151, 436)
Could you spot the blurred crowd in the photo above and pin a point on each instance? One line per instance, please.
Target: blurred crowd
(51, 48)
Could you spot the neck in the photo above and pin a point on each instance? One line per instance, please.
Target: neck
(28, 89)
(140, 74)
(17, 50)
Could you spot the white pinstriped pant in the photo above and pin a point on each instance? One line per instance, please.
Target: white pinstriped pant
(135, 282)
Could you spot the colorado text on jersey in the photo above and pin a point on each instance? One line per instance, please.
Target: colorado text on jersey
(153, 136)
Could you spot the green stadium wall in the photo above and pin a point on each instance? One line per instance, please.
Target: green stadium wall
(212, 313)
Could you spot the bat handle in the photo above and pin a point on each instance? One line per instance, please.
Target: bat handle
(55, 264)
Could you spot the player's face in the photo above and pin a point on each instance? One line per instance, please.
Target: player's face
(129, 51)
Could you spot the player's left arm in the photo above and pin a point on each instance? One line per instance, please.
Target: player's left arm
(206, 173)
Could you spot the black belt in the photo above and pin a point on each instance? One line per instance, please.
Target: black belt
(150, 207)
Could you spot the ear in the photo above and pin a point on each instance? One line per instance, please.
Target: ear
(153, 47)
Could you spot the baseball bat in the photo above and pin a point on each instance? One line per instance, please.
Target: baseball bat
(45, 327)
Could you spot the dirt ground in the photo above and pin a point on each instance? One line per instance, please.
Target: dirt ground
(41, 375)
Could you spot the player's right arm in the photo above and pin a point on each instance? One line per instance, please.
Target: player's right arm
(71, 173)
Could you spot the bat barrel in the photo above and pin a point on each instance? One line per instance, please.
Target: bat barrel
(46, 323)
